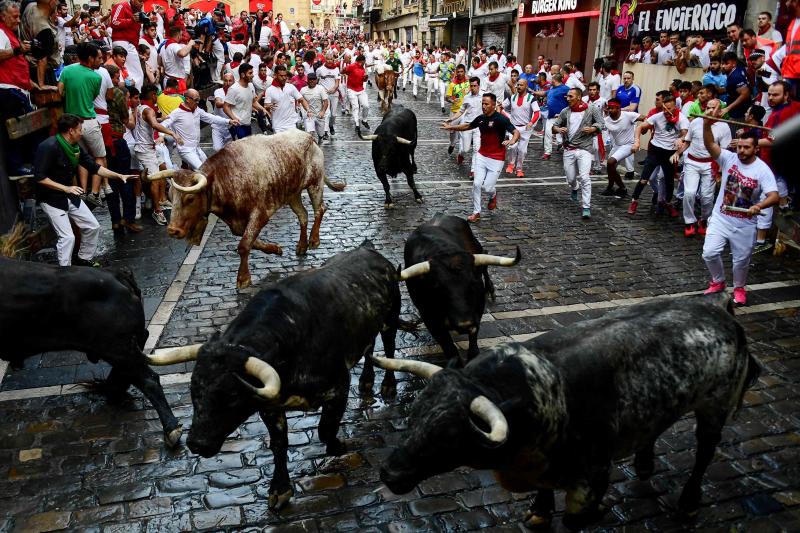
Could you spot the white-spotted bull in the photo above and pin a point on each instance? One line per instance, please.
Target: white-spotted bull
(292, 348)
(555, 411)
(393, 145)
(99, 312)
(386, 81)
(448, 279)
(244, 184)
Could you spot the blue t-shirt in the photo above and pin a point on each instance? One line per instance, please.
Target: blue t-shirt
(531, 79)
(556, 100)
(736, 80)
(418, 69)
(720, 80)
(629, 96)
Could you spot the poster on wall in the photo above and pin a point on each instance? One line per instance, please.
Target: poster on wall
(634, 19)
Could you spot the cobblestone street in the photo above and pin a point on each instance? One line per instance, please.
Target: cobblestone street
(69, 460)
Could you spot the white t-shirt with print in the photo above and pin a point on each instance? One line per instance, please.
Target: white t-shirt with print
(741, 186)
(666, 133)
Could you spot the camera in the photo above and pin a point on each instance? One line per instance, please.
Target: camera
(143, 17)
(184, 10)
(35, 43)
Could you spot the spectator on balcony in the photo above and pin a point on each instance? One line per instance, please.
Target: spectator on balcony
(15, 82)
(767, 31)
(38, 26)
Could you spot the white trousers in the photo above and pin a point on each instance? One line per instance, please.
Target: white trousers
(516, 153)
(194, 157)
(333, 108)
(87, 224)
(442, 92)
(471, 139)
(359, 105)
(548, 135)
(432, 84)
(741, 240)
(416, 81)
(577, 166)
(316, 124)
(697, 178)
(132, 62)
(487, 172)
(220, 138)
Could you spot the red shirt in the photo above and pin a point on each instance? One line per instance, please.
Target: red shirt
(14, 70)
(125, 26)
(779, 115)
(356, 75)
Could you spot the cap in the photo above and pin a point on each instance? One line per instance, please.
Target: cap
(755, 54)
(311, 76)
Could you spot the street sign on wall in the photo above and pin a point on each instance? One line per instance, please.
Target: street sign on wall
(630, 18)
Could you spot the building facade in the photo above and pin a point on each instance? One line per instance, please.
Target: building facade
(399, 21)
(494, 23)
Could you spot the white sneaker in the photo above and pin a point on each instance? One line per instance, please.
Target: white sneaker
(159, 217)
(138, 209)
(108, 190)
(165, 204)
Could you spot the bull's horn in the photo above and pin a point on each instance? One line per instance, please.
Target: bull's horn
(164, 174)
(370, 137)
(486, 259)
(402, 140)
(175, 356)
(267, 375)
(200, 182)
(415, 270)
(486, 410)
(418, 368)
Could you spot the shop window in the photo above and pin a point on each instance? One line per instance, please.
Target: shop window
(544, 30)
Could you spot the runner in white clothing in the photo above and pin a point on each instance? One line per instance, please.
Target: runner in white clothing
(745, 180)
(620, 126)
(220, 135)
(523, 111)
(471, 107)
(281, 99)
(329, 75)
(185, 121)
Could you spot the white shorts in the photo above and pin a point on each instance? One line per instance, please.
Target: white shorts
(147, 157)
(92, 139)
(621, 153)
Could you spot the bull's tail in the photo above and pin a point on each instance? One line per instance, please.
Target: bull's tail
(410, 326)
(337, 186)
(753, 367)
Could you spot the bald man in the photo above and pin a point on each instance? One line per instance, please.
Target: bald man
(185, 121)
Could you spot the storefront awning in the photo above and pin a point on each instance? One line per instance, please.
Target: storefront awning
(498, 18)
(561, 16)
(440, 21)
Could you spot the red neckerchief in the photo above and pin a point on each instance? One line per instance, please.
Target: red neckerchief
(330, 64)
(170, 91)
(596, 98)
(492, 79)
(276, 84)
(579, 107)
(457, 80)
(168, 42)
(688, 100)
(614, 72)
(235, 64)
(151, 106)
(703, 106)
(262, 78)
(520, 98)
(148, 39)
(183, 106)
(672, 118)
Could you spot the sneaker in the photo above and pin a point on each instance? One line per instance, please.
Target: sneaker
(701, 227)
(573, 196)
(762, 247)
(333, 131)
(629, 175)
(671, 210)
(715, 287)
(587, 213)
(108, 190)
(450, 149)
(138, 209)
(474, 217)
(545, 157)
(538, 133)
(444, 112)
(492, 202)
(621, 193)
(159, 217)
(609, 191)
(689, 230)
(92, 199)
(130, 226)
(326, 137)
(365, 124)
(165, 204)
(632, 207)
(520, 174)
(77, 261)
(740, 296)
(459, 159)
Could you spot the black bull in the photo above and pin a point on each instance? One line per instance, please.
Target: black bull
(292, 348)
(554, 412)
(393, 146)
(48, 308)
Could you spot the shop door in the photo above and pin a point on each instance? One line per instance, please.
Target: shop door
(459, 33)
(409, 35)
(495, 35)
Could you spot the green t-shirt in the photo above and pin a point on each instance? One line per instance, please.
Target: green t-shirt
(394, 63)
(81, 87)
(694, 109)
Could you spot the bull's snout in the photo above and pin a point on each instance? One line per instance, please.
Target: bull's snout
(176, 232)
(396, 483)
(197, 446)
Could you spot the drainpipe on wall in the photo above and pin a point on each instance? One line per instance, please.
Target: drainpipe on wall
(604, 41)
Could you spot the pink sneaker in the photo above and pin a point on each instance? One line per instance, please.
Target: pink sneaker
(714, 287)
(740, 296)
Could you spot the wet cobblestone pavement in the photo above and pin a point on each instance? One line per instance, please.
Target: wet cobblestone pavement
(71, 461)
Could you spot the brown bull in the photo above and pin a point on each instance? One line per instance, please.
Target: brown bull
(386, 80)
(244, 184)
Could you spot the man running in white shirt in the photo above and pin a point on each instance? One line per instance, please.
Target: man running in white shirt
(746, 179)
(281, 100)
(620, 126)
(185, 121)
(328, 75)
(221, 135)
(431, 78)
(240, 100)
(317, 98)
(469, 111)
(523, 110)
(698, 169)
(495, 82)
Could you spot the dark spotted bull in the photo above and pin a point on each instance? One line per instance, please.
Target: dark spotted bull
(292, 348)
(244, 184)
(386, 82)
(553, 412)
(447, 277)
(393, 146)
(99, 312)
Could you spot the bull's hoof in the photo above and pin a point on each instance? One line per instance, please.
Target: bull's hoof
(389, 205)
(279, 501)
(365, 386)
(301, 250)
(533, 520)
(314, 244)
(336, 447)
(419, 200)
(173, 438)
(243, 283)
(689, 502)
(388, 388)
